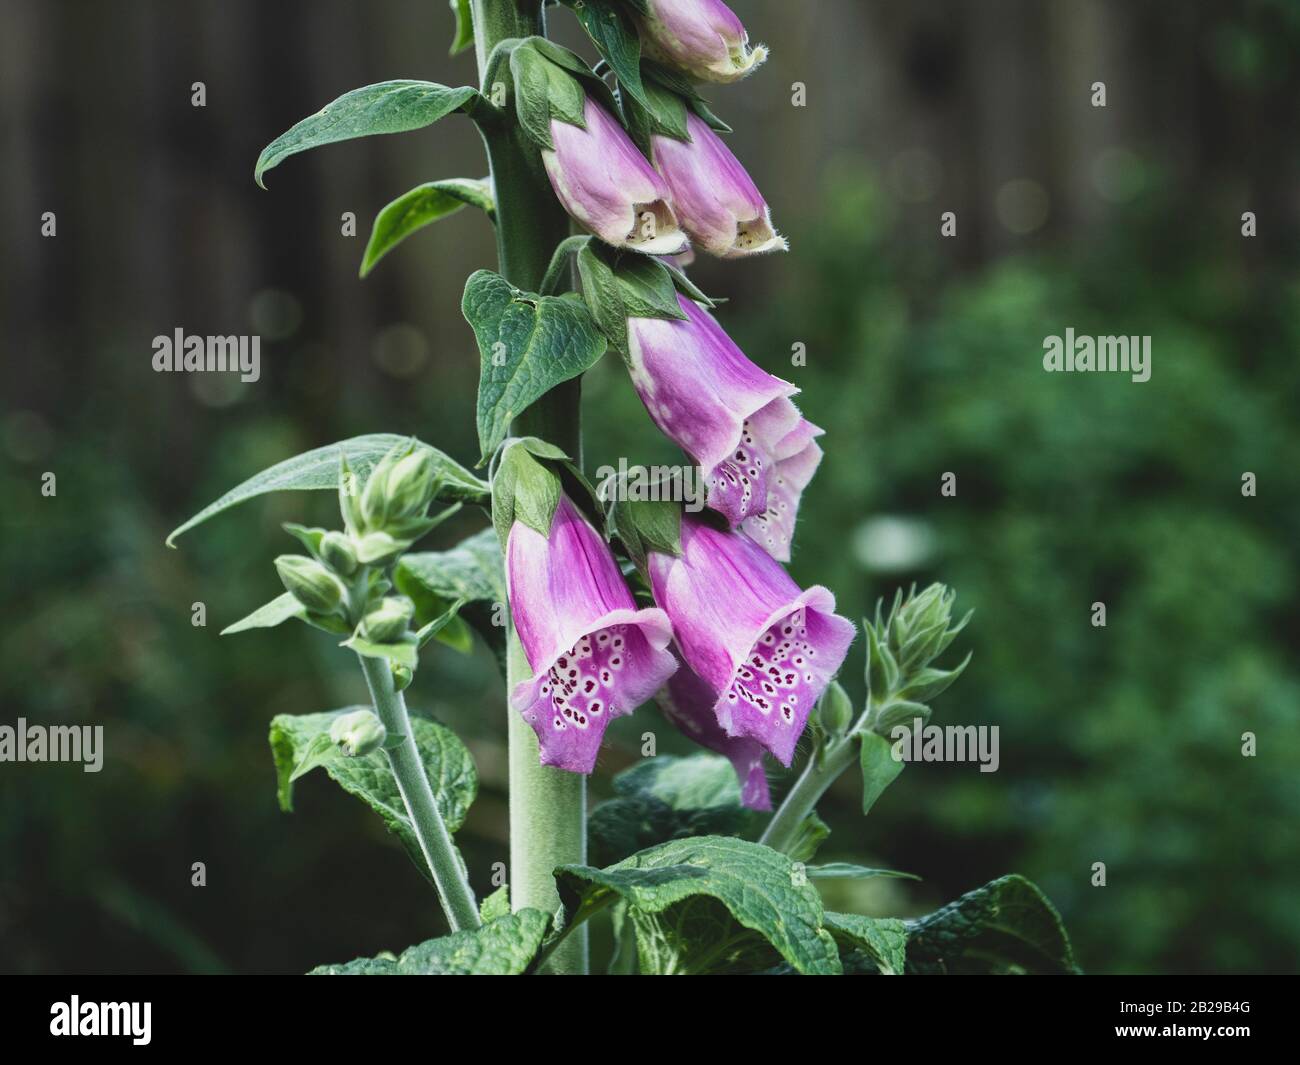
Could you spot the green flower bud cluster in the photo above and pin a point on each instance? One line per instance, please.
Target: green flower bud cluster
(358, 733)
(388, 514)
(900, 650)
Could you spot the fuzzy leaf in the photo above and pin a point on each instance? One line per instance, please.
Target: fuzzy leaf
(276, 612)
(464, 37)
(1006, 926)
(446, 760)
(879, 768)
(388, 107)
(712, 904)
(847, 871)
(527, 344)
(420, 207)
(319, 469)
(505, 946)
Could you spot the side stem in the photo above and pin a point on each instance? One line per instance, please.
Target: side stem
(548, 807)
(819, 774)
(435, 841)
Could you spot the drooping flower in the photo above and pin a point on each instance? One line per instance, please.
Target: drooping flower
(687, 701)
(735, 420)
(703, 37)
(594, 655)
(765, 647)
(715, 200)
(605, 183)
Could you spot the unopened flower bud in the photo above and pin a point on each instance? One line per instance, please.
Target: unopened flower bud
(358, 733)
(702, 37)
(388, 620)
(310, 583)
(337, 552)
(402, 676)
(835, 711)
(410, 484)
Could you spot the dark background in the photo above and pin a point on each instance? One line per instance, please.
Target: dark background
(1120, 744)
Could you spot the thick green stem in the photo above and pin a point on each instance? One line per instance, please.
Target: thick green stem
(823, 767)
(548, 807)
(435, 841)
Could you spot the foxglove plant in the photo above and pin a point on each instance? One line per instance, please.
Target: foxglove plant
(607, 603)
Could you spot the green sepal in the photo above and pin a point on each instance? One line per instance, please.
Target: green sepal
(464, 36)
(524, 489)
(618, 286)
(644, 526)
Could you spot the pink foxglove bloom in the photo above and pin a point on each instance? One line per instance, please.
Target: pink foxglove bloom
(735, 420)
(716, 201)
(702, 37)
(594, 655)
(687, 702)
(605, 183)
(766, 648)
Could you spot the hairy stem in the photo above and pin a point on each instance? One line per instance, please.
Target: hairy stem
(435, 841)
(548, 807)
(820, 773)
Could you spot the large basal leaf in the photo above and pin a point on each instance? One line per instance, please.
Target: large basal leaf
(388, 107)
(505, 946)
(470, 573)
(420, 207)
(297, 748)
(667, 798)
(881, 940)
(527, 345)
(712, 904)
(319, 469)
(1006, 926)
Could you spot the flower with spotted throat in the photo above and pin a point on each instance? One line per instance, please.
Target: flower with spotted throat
(766, 648)
(735, 420)
(593, 654)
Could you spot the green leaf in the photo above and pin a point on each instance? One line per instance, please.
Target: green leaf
(319, 469)
(813, 832)
(446, 760)
(668, 798)
(495, 905)
(434, 629)
(617, 287)
(269, 615)
(505, 946)
(418, 208)
(403, 652)
(882, 939)
(1006, 926)
(388, 107)
(879, 767)
(713, 904)
(848, 871)
(464, 37)
(471, 572)
(527, 344)
(616, 38)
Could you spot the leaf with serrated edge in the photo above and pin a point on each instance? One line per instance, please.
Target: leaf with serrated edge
(544, 341)
(680, 892)
(450, 768)
(882, 939)
(388, 107)
(422, 206)
(1007, 925)
(505, 946)
(319, 469)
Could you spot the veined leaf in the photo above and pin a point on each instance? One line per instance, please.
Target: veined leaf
(319, 469)
(420, 207)
(879, 767)
(712, 904)
(1006, 926)
(527, 345)
(882, 939)
(505, 946)
(616, 38)
(666, 798)
(388, 107)
(294, 744)
(469, 573)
